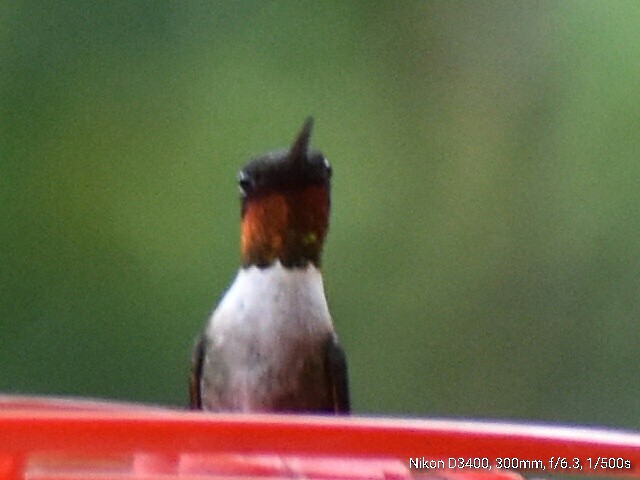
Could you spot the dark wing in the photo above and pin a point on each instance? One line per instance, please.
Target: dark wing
(337, 378)
(196, 375)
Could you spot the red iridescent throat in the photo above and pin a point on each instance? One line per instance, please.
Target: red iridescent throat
(288, 225)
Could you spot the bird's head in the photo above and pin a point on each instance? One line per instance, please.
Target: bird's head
(285, 205)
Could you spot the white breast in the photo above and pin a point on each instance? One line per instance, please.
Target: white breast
(271, 308)
(269, 326)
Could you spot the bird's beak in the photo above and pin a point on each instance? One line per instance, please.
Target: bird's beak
(300, 145)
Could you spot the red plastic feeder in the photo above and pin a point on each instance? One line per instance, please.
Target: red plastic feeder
(57, 439)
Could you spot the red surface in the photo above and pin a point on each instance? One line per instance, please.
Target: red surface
(65, 439)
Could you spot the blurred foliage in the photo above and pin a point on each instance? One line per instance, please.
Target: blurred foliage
(483, 257)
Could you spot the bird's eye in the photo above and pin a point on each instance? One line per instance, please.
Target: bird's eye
(245, 182)
(327, 166)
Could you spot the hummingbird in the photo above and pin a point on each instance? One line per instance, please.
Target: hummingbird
(270, 344)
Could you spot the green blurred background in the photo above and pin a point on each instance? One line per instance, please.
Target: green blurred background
(484, 251)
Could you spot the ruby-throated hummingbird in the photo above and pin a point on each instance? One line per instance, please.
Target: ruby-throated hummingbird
(270, 344)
